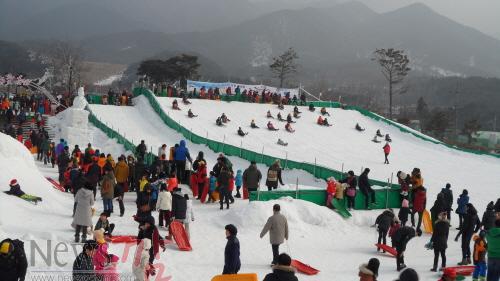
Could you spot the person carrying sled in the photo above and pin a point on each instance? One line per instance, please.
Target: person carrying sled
(277, 226)
(283, 270)
(269, 115)
(191, 114)
(324, 112)
(288, 127)
(274, 176)
(359, 128)
(241, 133)
(232, 263)
(369, 271)
(271, 127)
(439, 240)
(366, 188)
(387, 150)
(400, 240)
(384, 222)
(13, 262)
(224, 118)
(253, 125)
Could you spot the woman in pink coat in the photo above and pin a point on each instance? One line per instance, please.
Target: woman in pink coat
(105, 264)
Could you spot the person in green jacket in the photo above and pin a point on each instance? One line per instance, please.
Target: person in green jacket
(493, 239)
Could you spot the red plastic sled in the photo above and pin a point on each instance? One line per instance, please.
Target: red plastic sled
(388, 249)
(304, 268)
(122, 239)
(194, 185)
(55, 184)
(245, 193)
(180, 236)
(465, 270)
(205, 192)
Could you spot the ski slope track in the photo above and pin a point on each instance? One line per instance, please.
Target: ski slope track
(341, 145)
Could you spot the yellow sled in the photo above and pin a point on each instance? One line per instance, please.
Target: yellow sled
(236, 277)
(427, 221)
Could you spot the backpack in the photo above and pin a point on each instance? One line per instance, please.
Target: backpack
(272, 175)
(14, 259)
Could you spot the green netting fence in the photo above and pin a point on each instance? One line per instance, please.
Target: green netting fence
(384, 198)
(317, 171)
(112, 134)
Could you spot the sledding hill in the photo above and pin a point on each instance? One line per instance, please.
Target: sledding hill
(17, 215)
(340, 145)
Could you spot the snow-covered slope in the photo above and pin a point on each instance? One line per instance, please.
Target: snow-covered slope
(140, 122)
(341, 145)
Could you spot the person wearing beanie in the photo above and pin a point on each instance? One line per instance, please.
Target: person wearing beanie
(449, 274)
(439, 240)
(15, 190)
(232, 263)
(283, 271)
(277, 226)
(369, 271)
(83, 266)
(408, 274)
(404, 212)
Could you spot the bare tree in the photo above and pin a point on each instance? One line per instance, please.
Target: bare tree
(284, 65)
(394, 67)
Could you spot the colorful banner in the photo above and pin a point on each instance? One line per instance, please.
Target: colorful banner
(191, 85)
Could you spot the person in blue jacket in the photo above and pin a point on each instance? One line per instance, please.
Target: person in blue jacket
(181, 154)
(462, 201)
(238, 182)
(232, 261)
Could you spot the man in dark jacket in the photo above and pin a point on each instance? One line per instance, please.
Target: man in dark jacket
(232, 261)
(223, 181)
(283, 271)
(488, 220)
(179, 205)
(63, 163)
(93, 175)
(439, 240)
(180, 156)
(140, 151)
(252, 177)
(149, 230)
(366, 188)
(83, 266)
(384, 222)
(470, 225)
(274, 176)
(13, 262)
(448, 199)
(440, 205)
(400, 239)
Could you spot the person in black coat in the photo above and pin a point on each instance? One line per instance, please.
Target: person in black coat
(439, 206)
(399, 240)
(488, 220)
(223, 181)
(199, 158)
(283, 271)
(470, 226)
(497, 206)
(140, 151)
(384, 222)
(448, 198)
(83, 266)
(179, 205)
(13, 262)
(366, 188)
(232, 263)
(439, 239)
(63, 163)
(94, 175)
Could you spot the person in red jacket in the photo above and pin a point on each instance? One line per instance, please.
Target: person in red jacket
(331, 188)
(387, 150)
(419, 203)
(201, 177)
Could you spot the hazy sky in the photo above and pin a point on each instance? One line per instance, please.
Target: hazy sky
(483, 15)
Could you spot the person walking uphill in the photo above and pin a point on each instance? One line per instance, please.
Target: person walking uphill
(274, 176)
(232, 263)
(493, 239)
(252, 177)
(180, 156)
(283, 271)
(277, 226)
(387, 150)
(140, 151)
(366, 188)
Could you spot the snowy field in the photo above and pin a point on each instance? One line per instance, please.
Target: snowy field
(342, 144)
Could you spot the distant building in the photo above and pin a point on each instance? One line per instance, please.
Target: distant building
(487, 139)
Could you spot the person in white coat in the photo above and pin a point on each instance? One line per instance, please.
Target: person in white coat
(189, 214)
(164, 206)
(163, 150)
(140, 266)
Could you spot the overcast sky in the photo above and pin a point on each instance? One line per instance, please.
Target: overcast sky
(483, 15)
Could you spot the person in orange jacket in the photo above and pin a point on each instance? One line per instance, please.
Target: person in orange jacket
(172, 182)
(331, 189)
(479, 256)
